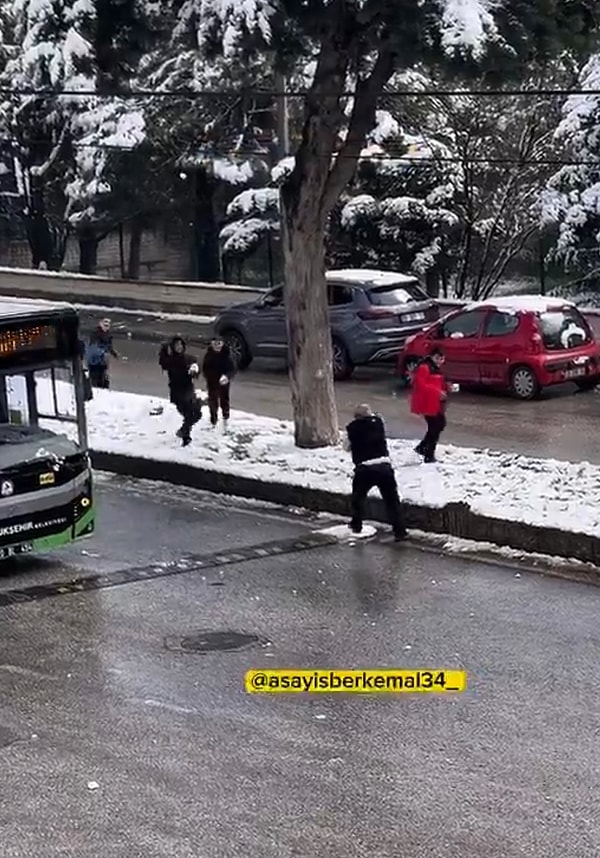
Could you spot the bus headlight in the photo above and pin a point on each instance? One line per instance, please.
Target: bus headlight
(85, 502)
(7, 488)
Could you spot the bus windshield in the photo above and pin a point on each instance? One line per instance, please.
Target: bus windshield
(38, 414)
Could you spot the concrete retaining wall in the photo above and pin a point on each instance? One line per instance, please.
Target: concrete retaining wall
(197, 299)
(454, 519)
(159, 297)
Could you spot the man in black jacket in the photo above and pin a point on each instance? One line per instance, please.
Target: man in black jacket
(372, 469)
(218, 369)
(181, 369)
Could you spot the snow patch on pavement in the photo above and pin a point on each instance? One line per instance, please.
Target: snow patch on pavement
(343, 533)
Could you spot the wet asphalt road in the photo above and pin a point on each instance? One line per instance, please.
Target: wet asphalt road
(562, 425)
(189, 765)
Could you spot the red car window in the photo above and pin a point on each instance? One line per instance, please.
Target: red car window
(501, 324)
(564, 329)
(463, 326)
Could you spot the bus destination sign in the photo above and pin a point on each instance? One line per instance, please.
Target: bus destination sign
(28, 338)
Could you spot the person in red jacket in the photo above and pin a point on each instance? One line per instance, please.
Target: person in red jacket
(429, 393)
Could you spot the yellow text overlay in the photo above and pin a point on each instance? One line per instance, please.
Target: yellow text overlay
(388, 681)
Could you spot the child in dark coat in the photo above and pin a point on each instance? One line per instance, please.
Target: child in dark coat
(181, 368)
(218, 370)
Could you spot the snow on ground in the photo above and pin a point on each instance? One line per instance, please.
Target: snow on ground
(537, 491)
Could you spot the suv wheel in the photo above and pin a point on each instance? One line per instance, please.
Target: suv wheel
(342, 365)
(238, 349)
(523, 383)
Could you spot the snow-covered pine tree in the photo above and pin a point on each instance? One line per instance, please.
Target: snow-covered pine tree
(68, 61)
(51, 54)
(115, 178)
(216, 144)
(571, 201)
(396, 211)
(361, 43)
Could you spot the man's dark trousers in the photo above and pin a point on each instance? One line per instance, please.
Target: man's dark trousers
(191, 411)
(382, 477)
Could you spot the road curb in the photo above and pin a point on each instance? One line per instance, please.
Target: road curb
(455, 519)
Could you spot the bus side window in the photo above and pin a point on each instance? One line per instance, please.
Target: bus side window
(16, 400)
(3, 401)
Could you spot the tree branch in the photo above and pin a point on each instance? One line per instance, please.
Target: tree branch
(39, 171)
(361, 122)
(509, 252)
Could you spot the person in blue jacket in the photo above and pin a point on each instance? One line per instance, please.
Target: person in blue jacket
(99, 350)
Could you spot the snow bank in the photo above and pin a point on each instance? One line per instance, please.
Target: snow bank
(543, 492)
(144, 314)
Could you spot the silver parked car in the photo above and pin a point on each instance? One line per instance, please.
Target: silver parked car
(372, 313)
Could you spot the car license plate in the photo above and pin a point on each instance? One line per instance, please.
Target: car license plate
(575, 373)
(413, 317)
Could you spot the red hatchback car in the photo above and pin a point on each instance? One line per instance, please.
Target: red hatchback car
(520, 344)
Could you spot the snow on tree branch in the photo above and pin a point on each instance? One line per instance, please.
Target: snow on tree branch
(231, 21)
(571, 199)
(468, 26)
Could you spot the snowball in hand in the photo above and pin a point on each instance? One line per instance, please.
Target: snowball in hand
(223, 380)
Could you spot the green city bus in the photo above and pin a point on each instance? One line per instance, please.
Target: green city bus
(46, 497)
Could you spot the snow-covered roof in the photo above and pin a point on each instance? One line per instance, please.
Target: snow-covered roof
(523, 303)
(12, 306)
(369, 275)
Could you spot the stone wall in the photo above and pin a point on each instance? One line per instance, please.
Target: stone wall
(162, 257)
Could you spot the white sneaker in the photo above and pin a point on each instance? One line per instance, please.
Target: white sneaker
(225, 427)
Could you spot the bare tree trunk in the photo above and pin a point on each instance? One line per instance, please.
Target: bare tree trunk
(121, 251)
(135, 249)
(307, 197)
(88, 251)
(310, 358)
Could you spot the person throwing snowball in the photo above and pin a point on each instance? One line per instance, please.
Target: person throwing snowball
(218, 370)
(428, 399)
(182, 368)
(367, 443)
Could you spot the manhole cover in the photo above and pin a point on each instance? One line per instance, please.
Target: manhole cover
(206, 641)
(7, 737)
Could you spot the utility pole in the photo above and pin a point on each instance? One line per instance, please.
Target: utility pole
(282, 114)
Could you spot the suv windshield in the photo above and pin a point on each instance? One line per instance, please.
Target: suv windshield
(386, 296)
(564, 329)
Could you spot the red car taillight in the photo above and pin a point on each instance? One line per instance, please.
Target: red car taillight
(537, 344)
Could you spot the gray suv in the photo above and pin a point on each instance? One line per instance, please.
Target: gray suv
(372, 313)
